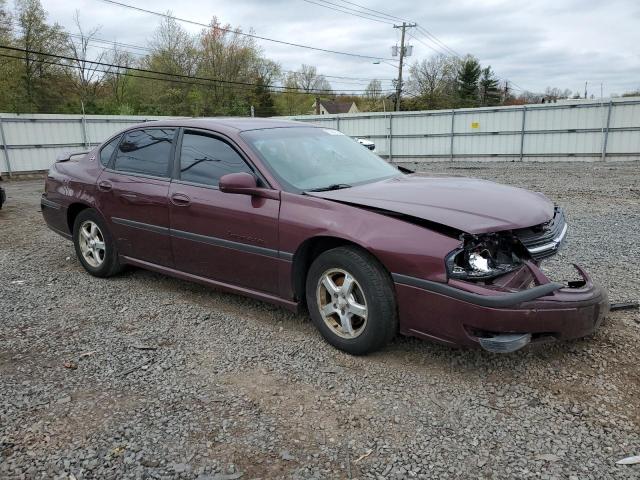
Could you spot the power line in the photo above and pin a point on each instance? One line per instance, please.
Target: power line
(155, 72)
(339, 79)
(439, 44)
(437, 41)
(379, 16)
(150, 50)
(423, 30)
(441, 52)
(391, 17)
(129, 74)
(348, 11)
(236, 32)
(95, 41)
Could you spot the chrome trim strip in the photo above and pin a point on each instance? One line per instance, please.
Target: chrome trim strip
(506, 300)
(285, 256)
(196, 237)
(221, 242)
(141, 226)
(551, 245)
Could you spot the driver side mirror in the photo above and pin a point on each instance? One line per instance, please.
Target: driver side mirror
(245, 183)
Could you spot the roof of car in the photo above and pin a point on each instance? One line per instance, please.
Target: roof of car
(235, 123)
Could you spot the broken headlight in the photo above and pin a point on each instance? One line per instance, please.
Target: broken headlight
(485, 256)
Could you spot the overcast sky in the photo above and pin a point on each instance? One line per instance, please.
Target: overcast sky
(540, 43)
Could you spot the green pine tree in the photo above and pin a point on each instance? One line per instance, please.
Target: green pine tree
(467, 81)
(264, 106)
(489, 88)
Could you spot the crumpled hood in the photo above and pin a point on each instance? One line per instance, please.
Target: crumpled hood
(467, 204)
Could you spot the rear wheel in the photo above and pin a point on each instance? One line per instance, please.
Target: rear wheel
(351, 300)
(94, 245)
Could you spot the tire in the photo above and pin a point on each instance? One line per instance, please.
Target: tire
(98, 262)
(370, 287)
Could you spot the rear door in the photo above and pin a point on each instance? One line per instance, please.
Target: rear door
(231, 238)
(133, 193)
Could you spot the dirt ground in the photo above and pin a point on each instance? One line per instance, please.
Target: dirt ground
(145, 376)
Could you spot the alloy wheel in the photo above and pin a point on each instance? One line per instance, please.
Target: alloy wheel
(341, 303)
(92, 243)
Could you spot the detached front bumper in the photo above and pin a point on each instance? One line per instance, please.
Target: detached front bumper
(501, 317)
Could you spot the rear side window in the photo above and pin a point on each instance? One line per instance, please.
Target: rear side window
(145, 151)
(204, 159)
(107, 150)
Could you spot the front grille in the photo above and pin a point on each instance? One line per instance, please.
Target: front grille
(544, 240)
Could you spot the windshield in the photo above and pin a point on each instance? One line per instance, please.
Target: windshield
(308, 158)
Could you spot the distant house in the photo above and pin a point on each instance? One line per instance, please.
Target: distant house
(330, 108)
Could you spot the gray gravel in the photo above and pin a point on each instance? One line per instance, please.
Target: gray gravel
(144, 376)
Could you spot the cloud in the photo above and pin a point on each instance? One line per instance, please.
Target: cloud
(534, 44)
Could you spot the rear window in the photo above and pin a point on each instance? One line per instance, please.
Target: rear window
(146, 152)
(107, 150)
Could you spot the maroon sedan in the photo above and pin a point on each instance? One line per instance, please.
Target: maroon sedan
(300, 215)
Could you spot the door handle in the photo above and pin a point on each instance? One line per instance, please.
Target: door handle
(180, 200)
(104, 186)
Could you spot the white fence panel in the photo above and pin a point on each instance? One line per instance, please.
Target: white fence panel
(575, 130)
(589, 131)
(32, 142)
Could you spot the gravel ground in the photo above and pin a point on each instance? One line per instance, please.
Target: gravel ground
(144, 376)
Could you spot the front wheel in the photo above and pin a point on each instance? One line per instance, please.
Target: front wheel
(94, 245)
(351, 300)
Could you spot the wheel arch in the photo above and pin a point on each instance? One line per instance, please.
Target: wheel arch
(311, 249)
(73, 211)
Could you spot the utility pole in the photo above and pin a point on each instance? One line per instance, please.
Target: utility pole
(403, 52)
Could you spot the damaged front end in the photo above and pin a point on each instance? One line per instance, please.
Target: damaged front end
(501, 271)
(486, 256)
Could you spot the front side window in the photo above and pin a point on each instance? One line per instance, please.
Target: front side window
(107, 150)
(204, 159)
(309, 158)
(145, 151)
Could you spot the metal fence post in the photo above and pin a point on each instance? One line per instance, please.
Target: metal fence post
(522, 132)
(338, 123)
(605, 138)
(83, 121)
(5, 149)
(453, 118)
(390, 136)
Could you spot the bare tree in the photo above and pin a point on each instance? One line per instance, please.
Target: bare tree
(308, 80)
(116, 78)
(232, 58)
(86, 76)
(173, 49)
(551, 94)
(373, 92)
(433, 80)
(267, 71)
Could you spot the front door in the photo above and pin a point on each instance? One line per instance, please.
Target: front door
(231, 238)
(133, 194)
